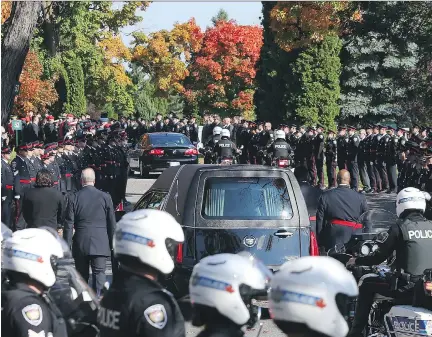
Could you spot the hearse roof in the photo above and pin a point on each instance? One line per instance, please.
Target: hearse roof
(187, 172)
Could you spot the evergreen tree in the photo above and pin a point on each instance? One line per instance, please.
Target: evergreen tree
(272, 75)
(76, 101)
(317, 70)
(222, 15)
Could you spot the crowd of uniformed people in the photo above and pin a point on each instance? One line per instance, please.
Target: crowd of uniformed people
(223, 286)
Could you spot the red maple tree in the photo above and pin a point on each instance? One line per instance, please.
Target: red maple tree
(222, 72)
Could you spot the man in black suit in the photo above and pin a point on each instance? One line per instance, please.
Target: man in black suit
(310, 193)
(91, 212)
(42, 205)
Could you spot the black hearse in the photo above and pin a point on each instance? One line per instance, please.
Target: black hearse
(228, 209)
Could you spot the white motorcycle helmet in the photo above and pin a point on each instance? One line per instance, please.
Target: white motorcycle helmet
(411, 198)
(312, 294)
(225, 133)
(227, 283)
(151, 236)
(280, 134)
(217, 130)
(33, 252)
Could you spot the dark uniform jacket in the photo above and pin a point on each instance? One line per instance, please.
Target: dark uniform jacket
(225, 148)
(331, 150)
(411, 238)
(50, 133)
(137, 306)
(8, 181)
(319, 146)
(353, 148)
(341, 203)
(21, 170)
(279, 148)
(91, 212)
(26, 313)
(42, 206)
(213, 140)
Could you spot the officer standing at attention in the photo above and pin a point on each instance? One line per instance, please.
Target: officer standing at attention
(91, 213)
(373, 156)
(342, 144)
(222, 288)
(391, 160)
(320, 311)
(338, 213)
(352, 153)
(29, 258)
(319, 155)
(363, 157)
(136, 304)
(331, 158)
(411, 240)
(383, 141)
(225, 148)
(20, 168)
(9, 186)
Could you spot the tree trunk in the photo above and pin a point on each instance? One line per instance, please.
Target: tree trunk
(15, 47)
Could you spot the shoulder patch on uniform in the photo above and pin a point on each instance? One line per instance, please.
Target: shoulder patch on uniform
(347, 140)
(33, 314)
(396, 140)
(321, 136)
(156, 316)
(334, 142)
(13, 165)
(355, 139)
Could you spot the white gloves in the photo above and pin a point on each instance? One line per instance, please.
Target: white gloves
(17, 197)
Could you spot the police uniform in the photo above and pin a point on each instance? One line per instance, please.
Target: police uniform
(337, 216)
(28, 314)
(137, 306)
(368, 145)
(352, 165)
(319, 158)
(411, 238)
(383, 141)
(193, 132)
(391, 159)
(8, 190)
(362, 159)
(342, 142)
(279, 149)
(331, 160)
(225, 149)
(374, 160)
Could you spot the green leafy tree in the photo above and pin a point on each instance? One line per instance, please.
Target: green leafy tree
(76, 102)
(317, 70)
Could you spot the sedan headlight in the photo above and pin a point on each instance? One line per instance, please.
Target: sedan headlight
(375, 247)
(365, 250)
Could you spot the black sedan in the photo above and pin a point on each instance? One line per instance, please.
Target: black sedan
(228, 209)
(157, 151)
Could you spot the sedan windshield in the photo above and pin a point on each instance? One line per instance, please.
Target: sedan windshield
(169, 140)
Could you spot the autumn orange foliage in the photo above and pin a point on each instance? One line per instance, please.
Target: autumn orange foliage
(297, 24)
(6, 8)
(35, 94)
(223, 71)
(115, 53)
(165, 54)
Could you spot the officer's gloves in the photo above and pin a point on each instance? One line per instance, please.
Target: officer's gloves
(17, 197)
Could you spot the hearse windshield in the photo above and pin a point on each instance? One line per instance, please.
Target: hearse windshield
(246, 199)
(169, 140)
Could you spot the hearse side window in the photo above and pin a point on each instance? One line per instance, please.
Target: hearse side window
(152, 200)
(246, 199)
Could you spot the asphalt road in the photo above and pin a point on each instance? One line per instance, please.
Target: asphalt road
(137, 187)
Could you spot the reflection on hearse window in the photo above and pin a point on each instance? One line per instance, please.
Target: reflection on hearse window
(169, 139)
(246, 199)
(153, 200)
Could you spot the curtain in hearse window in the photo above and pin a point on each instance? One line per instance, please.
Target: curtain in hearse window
(246, 199)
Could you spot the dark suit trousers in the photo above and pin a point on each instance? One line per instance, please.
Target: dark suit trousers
(354, 172)
(6, 212)
(392, 175)
(382, 170)
(364, 175)
(98, 266)
(320, 171)
(371, 174)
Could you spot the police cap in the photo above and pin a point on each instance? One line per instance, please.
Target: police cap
(341, 127)
(6, 150)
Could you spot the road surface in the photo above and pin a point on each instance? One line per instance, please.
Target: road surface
(137, 187)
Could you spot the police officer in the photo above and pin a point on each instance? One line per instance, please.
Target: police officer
(368, 145)
(193, 130)
(352, 153)
(136, 304)
(9, 186)
(331, 158)
(316, 311)
(338, 213)
(215, 279)
(253, 145)
(391, 159)
(383, 142)
(363, 157)
(342, 145)
(30, 258)
(319, 155)
(411, 240)
(279, 148)
(244, 136)
(225, 148)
